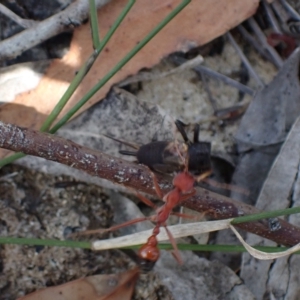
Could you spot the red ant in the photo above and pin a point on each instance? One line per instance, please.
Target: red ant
(194, 155)
(183, 184)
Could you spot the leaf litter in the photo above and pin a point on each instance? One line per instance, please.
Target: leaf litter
(279, 135)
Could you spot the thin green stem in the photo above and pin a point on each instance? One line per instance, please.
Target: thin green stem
(42, 242)
(94, 24)
(87, 245)
(223, 248)
(115, 25)
(67, 95)
(9, 159)
(265, 215)
(118, 66)
(84, 69)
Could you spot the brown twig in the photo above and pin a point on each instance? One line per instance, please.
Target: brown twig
(137, 177)
(63, 21)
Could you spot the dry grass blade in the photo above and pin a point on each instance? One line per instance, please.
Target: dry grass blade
(176, 230)
(264, 255)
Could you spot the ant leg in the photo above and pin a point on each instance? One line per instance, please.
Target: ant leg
(113, 228)
(146, 200)
(197, 218)
(184, 197)
(186, 216)
(175, 252)
(156, 185)
(203, 175)
(227, 186)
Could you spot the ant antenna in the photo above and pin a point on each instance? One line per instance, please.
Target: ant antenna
(124, 152)
(129, 153)
(180, 128)
(196, 133)
(132, 145)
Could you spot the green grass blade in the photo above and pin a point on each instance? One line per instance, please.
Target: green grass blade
(84, 69)
(115, 25)
(216, 248)
(9, 159)
(265, 215)
(118, 66)
(87, 245)
(94, 24)
(44, 242)
(67, 95)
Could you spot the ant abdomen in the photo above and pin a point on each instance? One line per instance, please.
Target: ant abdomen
(149, 251)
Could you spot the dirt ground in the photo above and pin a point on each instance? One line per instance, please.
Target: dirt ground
(38, 205)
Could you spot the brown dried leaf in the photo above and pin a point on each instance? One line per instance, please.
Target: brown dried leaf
(197, 24)
(98, 287)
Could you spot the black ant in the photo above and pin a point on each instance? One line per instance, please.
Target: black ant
(164, 156)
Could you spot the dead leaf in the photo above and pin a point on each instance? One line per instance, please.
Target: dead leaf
(278, 192)
(266, 122)
(97, 287)
(274, 109)
(197, 24)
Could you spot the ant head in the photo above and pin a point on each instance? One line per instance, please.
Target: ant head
(184, 181)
